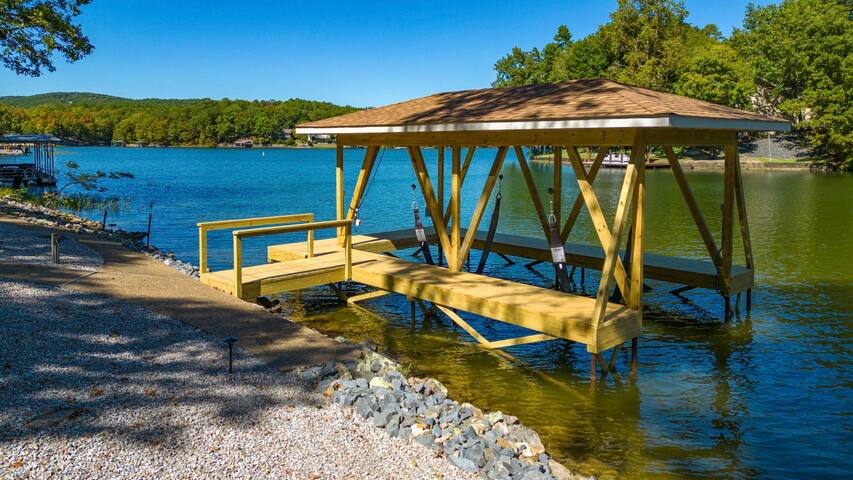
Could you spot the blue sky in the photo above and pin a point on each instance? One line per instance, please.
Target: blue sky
(362, 53)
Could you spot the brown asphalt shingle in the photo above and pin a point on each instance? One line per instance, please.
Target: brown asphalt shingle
(572, 100)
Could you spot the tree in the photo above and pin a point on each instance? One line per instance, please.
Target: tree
(86, 180)
(31, 31)
(586, 58)
(713, 71)
(645, 39)
(525, 68)
(802, 51)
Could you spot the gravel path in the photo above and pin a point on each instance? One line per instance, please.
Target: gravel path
(25, 246)
(93, 388)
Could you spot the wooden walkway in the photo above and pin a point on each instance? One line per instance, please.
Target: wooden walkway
(551, 314)
(681, 271)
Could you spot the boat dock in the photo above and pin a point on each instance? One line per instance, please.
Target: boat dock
(595, 114)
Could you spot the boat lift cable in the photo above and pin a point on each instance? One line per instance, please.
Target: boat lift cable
(419, 229)
(356, 218)
(558, 254)
(493, 227)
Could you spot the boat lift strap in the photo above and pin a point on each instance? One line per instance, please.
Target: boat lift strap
(558, 255)
(493, 227)
(419, 231)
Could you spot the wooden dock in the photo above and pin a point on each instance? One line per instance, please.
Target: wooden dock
(593, 114)
(550, 313)
(685, 272)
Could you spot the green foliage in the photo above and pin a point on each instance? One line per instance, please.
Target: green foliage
(100, 119)
(59, 97)
(645, 39)
(803, 53)
(793, 59)
(32, 31)
(715, 73)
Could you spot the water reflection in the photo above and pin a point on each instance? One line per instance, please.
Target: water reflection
(766, 395)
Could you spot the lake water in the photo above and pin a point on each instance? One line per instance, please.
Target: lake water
(765, 395)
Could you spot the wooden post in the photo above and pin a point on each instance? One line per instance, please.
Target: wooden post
(238, 267)
(556, 195)
(202, 249)
(54, 247)
(635, 361)
(424, 181)
(592, 364)
(467, 163)
(742, 219)
(634, 300)
(339, 189)
(348, 252)
(728, 217)
(455, 259)
(440, 180)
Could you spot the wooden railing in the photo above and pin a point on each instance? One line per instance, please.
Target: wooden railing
(239, 235)
(205, 227)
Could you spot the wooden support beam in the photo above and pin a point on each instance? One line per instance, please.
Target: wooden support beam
(621, 137)
(422, 175)
(202, 249)
(238, 267)
(557, 188)
(611, 250)
(576, 207)
(693, 206)
(440, 178)
(367, 296)
(598, 220)
(455, 262)
(361, 182)
(339, 188)
(742, 218)
(534, 193)
(468, 157)
(728, 216)
(462, 323)
(480, 208)
(634, 297)
(511, 342)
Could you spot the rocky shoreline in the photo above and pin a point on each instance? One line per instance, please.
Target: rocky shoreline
(417, 410)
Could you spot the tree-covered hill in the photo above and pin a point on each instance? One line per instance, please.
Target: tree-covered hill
(91, 118)
(54, 98)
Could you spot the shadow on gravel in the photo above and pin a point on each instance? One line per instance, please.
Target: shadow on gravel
(76, 365)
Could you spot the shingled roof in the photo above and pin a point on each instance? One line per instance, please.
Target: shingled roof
(590, 103)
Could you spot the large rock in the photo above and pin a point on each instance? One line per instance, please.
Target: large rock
(426, 439)
(381, 419)
(379, 382)
(475, 454)
(464, 464)
(560, 472)
(527, 441)
(364, 366)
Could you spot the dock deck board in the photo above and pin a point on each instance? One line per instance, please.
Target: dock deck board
(540, 309)
(678, 270)
(543, 310)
